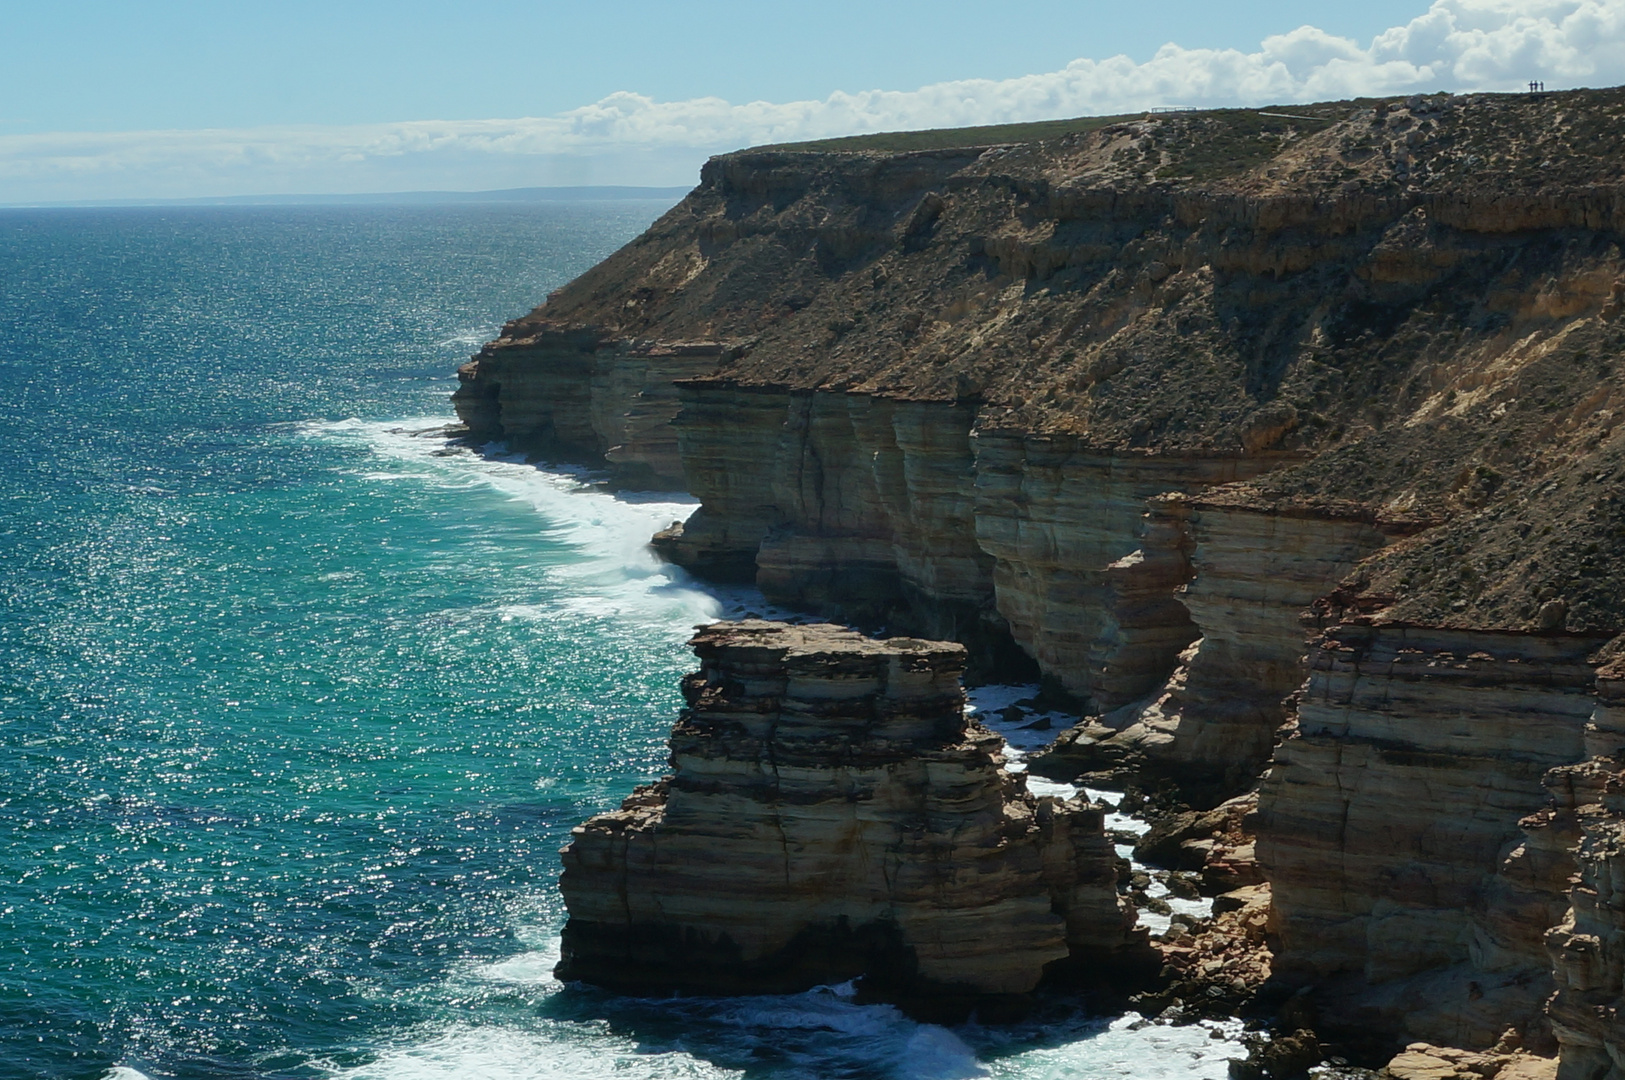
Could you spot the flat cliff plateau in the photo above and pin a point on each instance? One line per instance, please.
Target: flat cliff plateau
(1286, 442)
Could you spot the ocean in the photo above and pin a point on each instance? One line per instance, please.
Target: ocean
(298, 702)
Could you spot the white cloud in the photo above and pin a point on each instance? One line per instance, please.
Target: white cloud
(1456, 45)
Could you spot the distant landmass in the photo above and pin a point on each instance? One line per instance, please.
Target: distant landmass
(526, 194)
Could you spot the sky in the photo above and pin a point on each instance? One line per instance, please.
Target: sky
(169, 99)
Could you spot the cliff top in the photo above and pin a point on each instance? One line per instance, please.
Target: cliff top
(1227, 132)
(1090, 283)
(893, 142)
(791, 641)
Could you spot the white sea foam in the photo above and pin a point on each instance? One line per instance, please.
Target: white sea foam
(935, 1053)
(1130, 1049)
(568, 1052)
(534, 968)
(124, 1072)
(1039, 786)
(987, 704)
(1116, 820)
(468, 339)
(807, 1036)
(1032, 731)
(803, 1036)
(616, 577)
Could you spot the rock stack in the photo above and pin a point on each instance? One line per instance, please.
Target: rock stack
(831, 814)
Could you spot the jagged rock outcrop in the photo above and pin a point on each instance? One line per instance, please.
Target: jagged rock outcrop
(1229, 960)
(1243, 569)
(1062, 521)
(1255, 567)
(1422, 1061)
(831, 814)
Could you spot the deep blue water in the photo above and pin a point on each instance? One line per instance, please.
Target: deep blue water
(297, 703)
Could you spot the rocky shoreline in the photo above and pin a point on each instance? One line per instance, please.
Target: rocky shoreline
(1285, 454)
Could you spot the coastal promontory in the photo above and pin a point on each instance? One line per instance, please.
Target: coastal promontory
(1283, 445)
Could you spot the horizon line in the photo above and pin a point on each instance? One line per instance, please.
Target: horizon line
(571, 193)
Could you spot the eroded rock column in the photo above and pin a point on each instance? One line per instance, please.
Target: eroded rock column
(831, 814)
(1058, 516)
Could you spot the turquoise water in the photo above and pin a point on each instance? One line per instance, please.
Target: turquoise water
(297, 703)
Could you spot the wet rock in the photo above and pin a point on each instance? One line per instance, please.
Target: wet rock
(1281, 1056)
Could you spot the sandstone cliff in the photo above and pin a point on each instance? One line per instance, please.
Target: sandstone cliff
(1387, 819)
(934, 390)
(1118, 408)
(832, 815)
(1588, 820)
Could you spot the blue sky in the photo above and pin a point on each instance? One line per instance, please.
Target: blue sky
(141, 65)
(155, 99)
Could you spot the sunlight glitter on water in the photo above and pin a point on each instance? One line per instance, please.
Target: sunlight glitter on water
(295, 713)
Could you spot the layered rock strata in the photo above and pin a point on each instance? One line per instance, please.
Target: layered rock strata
(831, 815)
(1063, 522)
(1239, 571)
(579, 396)
(896, 512)
(1120, 402)
(932, 389)
(1255, 568)
(1587, 948)
(1386, 820)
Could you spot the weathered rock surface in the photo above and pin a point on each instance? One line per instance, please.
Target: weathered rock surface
(1120, 405)
(1063, 522)
(830, 815)
(1423, 1061)
(1228, 961)
(1250, 567)
(577, 396)
(1588, 945)
(1255, 568)
(1385, 821)
(840, 503)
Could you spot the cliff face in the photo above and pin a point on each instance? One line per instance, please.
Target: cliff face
(1387, 817)
(1255, 566)
(1240, 570)
(570, 395)
(1586, 945)
(934, 389)
(1118, 407)
(831, 814)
